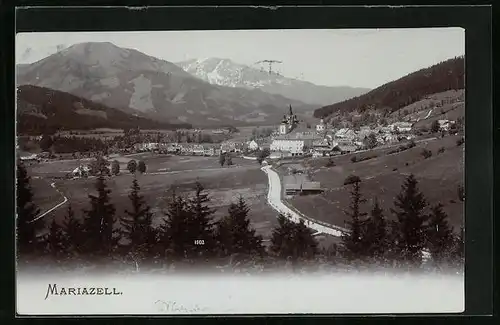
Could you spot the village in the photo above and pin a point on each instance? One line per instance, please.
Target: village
(291, 139)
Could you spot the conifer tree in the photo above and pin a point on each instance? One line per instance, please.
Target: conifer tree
(411, 218)
(174, 241)
(73, 233)
(291, 240)
(459, 248)
(132, 166)
(141, 167)
(26, 210)
(55, 247)
(440, 238)
(234, 234)
(376, 234)
(99, 222)
(201, 225)
(354, 241)
(222, 159)
(137, 225)
(115, 167)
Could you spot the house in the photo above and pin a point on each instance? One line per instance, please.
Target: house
(401, 126)
(227, 146)
(209, 150)
(445, 124)
(252, 145)
(299, 184)
(345, 133)
(198, 150)
(81, 171)
(346, 147)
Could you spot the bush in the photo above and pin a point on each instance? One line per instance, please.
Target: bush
(411, 144)
(330, 163)
(132, 166)
(426, 153)
(354, 159)
(141, 167)
(351, 179)
(440, 150)
(460, 142)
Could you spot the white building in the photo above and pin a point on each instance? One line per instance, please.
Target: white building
(321, 126)
(252, 145)
(445, 124)
(401, 126)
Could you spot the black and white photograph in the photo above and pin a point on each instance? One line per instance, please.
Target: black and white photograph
(302, 171)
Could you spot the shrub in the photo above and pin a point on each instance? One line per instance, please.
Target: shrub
(330, 163)
(141, 167)
(351, 179)
(394, 169)
(354, 159)
(411, 144)
(132, 166)
(460, 141)
(426, 153)
(440, 150)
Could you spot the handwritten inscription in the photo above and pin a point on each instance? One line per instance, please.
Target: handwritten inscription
(53, 290)
(172, 306)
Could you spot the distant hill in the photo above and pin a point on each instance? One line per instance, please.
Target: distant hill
(40, 109)
(225, 72)
(397, 94)
(137, 83)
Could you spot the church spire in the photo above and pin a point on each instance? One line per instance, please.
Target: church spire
(291, 113)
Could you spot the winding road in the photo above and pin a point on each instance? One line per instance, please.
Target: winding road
(53, 208)
(274, 200)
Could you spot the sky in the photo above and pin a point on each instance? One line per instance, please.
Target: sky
(358, 58)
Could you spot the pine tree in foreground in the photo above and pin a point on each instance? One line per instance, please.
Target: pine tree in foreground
(73, 233)
(293, 240)
(174, 240)
(354, 241)
(234, 234)
(26, 227)
(201, 230)
(137, 225)
(376, 234)
(55, 244)
(440, 240)
(99, 220)
(411, 218)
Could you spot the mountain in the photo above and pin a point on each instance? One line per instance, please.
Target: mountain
(40, 109)
(392, 96)
(138, 83)
(224, 72)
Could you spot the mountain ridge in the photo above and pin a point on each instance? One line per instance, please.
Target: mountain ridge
(394, 95)
(42, 109)
(225, 72)
(136, 82)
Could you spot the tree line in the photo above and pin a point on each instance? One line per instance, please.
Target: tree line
(188, 234)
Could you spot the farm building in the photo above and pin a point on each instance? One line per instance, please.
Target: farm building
(81, 171)
(401, 126)
(299, 184)
(252, 145)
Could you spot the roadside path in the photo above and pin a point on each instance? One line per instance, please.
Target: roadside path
(274, 199)
(53, 208)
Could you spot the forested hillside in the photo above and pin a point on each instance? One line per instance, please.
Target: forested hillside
(42, 109)
(394, 95)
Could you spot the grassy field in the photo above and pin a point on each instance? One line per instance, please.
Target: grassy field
(382, 177)
(224, 185)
